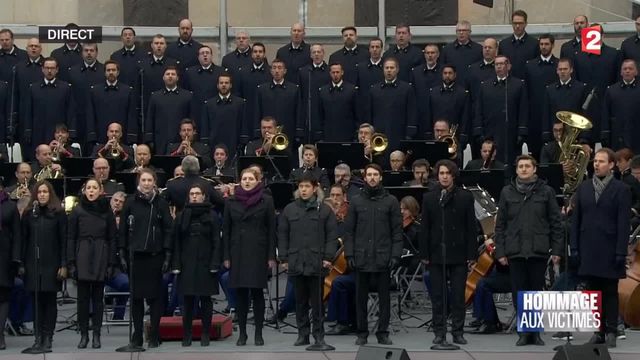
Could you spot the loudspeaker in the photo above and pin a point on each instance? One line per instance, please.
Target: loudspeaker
(383, 353)
(583, 352)
(487, 3)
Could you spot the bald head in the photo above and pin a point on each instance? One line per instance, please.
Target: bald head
(489, 49)
(34, 49)
(185, 28)
(101, 169)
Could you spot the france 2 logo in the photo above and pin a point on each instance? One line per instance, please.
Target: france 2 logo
(591, 40)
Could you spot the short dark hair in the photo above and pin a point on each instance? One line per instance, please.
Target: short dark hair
(391, 58)
(527, 157)
(50, 59)
(377, 39)
(205, 46)
(264, 48)
(567, 60)
(548, 36)
(520, 13)
(221, 146)
(170, 67)
(127, 28)
(270, 119)
(227, 75)
(61, 127)
(277, 60)
(450, 165)
(420, 163)
(403, 25)
(336, 63)
(199, 186)
(7, 31)
(112, 62)
(147, 171)
(624, 154)
(451, 66)
(308, 177)
(353, 28)
(338, 186)
(187, 121)
(609, 152)
(373, 166)
(311, 148)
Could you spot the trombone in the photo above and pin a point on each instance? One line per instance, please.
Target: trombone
(452, 143)
(278, 141)
(378, 144)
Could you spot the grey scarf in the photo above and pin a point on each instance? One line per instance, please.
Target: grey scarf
(600, 185)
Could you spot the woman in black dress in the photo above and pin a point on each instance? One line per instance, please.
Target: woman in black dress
(249, 243)
(44, 231)
(145, 232)
(9, 237)
(91, 247)
(196, 258)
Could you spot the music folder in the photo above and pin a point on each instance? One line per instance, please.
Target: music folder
(424, 149)
(268, 164)
(553, 175)
(396, 178)
(79, 166)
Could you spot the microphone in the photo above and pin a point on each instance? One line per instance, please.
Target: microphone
(36, 208)
(590, 97)
(130, 220)
(443, 193)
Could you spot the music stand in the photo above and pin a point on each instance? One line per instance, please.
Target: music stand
(401, 191)
(7, 172)
(396, 178)
(282, 193)
(128, 180)
(78, 166)
(430, 150)
(74, 185)
(553, 175)
(272, 166)
(58, 187)
(220, 179)
(491, 180)
(331, 154)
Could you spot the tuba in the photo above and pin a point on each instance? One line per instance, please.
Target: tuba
(452, 143)
(572, 152)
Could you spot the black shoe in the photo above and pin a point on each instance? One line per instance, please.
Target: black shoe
(486, 329)
(611, 340)
(459, 339)
(536, 339)
(205, 339)
(242, 340)
(95, 341)
(439, 339)
(563, 335)
(302, 340)
(3, 344)
(84, 340)
(340, 330)
(384, 340)
(258, 340)
(597, 338)
(47, 342)
(136, 340)
(153, 344)
(523, 339)
(361, 341)
(475, 323)
(620, 334)
(186, 342)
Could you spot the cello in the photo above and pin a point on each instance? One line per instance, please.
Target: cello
(339, 263)
(629, 287)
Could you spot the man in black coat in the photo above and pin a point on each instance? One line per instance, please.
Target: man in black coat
(620, 111)
(337, 112)
(113, 139)
(101, 171)
(151, 69)
(167, 107)
(307, 238)
(572, 47)
(463, 51)
(423, 78)
(201, 80)
(241, 56)
(246, 84)
(490, 108)
(67, 55)
(487, 159)
(48, 103)
(566, 94)
(82, 76)
(5, 106)
(109, 101)
(392, 106)
(550, 153)
(189, 145)
(310, 78)
(630, 47)
(27, 72)
(407, 55)
(350, 54)
(599, 238)
(221, 162)
(483, 69)
(368, 72)
(296, 54)
(450, 210)
(520, 46)
(263, 145)
(10, 54)
(539, 73)
(178, 188)
(373, 246)
(128, 56)
(528, 229)
(310, 166)
(449, 101)
(223, 117)
(282, 100)
(185, 48)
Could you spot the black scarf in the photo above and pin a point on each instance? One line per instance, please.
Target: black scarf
(527, 186)
(98, 207)
(374, 192)
(195, 212)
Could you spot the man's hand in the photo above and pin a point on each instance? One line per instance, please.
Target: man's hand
(327, 264)
(503, 261)
(56, 167)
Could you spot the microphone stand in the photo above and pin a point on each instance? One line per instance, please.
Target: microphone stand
(131, 347)
(309, 132)
(142, 104)
(506, 126)
(445, 344)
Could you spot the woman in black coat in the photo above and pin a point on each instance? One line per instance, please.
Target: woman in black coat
(9, 237)
(44, 230)
(145, 231)
(196, 257)
(249, 243)
(91, 254)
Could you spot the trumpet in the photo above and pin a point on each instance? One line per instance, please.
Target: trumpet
(187, 148)
(115, 148)
(55, 152)
(20, 191)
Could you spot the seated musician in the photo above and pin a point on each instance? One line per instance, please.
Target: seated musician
(142, 160)
(365, 134)
(262, 146)
(410, 210)
(309, 165)
(178, 188)
(420, 168)
(550, 153)
(342, 176)
(442, 129)
(220, 166)
(23, 182)
(119, 282)
(397, 159)
(101, 170)
(178, 172)
(43, 167)
(487, 158)
(115, 149)
(189, 145)
(623, 160)
(634, 166)
(61, 143)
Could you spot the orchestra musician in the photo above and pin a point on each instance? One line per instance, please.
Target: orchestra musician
(43, 167)
(420, 168)
(487, 160)
(122, 154)
(396, 160)
(145, 234)
(373, 246)
(101, 170)
(249, 245)
(143, 160)
(44, 229)
(9, 238)
(599, 237)
(528, 229)
(24, 181)
(309, 165)
(451, 209)
(342, 176)
(220, 166)
(262, 146)
(189, 145)
(197, 258)
(61, 146)
(177, 193)
(306, 244)
(411, 227)
(91, 248)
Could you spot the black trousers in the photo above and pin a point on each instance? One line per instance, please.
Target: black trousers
(137, 312)
(47, 313)
(90, 293)
(609, 314)
(526, 275)
(257, 297)
(456, 275)
(380, 281)
(307, 291)
(206, 310)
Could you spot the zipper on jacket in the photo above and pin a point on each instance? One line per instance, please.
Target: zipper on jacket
(146, 239)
